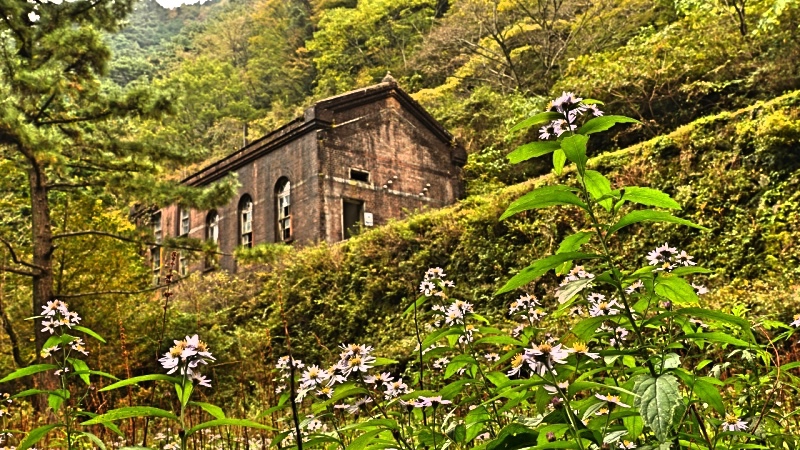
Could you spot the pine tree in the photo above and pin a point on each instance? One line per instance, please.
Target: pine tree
(64, 130)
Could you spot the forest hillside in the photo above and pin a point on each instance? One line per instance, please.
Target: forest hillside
(713, 87)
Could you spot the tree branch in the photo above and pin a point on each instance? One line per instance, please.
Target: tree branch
(65, 186)
(15, 259)
(22, 272)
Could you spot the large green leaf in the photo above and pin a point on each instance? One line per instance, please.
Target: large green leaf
(598, 186)
(603, 123)
(81, 369)
(36, 435)
(227, 422)
(537, 119)
(214, 410)
(559, 158)
(649, 215)
(532, 150)
(542, 198)
(514, 436)
(30, 370)
(135, 380)
(658, 398)
(675, 289)
(718, 337)
(540, 267)
(573, 242)
(90, 333)
(707, 314)
(649, 197)
(131, 411)
(709, 393)
(574, 148)
(96, 440)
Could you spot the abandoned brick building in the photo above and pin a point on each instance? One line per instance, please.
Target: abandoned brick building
(354, 160)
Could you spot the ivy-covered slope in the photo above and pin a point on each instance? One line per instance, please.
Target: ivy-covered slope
(736, 173)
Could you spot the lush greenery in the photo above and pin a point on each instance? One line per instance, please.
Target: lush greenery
(713, 85)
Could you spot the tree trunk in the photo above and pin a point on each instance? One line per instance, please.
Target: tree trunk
(42, 241)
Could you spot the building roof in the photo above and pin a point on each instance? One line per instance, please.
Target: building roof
(319, 116)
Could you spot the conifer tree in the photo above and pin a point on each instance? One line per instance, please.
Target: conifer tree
(64, 130)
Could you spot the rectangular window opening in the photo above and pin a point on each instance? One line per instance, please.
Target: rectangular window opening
(184, 223)
(359, 175)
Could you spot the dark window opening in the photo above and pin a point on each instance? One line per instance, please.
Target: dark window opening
(352, 217)
(212, 234)
(359, 175)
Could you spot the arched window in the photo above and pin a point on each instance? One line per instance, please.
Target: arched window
(284, 202)
(212, 227)
(246, 221)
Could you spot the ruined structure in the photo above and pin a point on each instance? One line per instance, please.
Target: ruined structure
(354, 160)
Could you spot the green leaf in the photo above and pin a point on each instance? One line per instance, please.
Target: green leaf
(706, 314)
(227, 422)
(90, 333)
(537, 119)
(542, 198)
(585, 328)
(603, 123)
(718, 337)
(571, 289)
(131, 411)
(56, 399)
(649, 215)
(574, 148)
(384, 361)
(361, 442)
(30, 370)
(532, 150)
(598, 186)
(415, 304)
(135, 380)
(497, 378)
(574, 242)
(95, 439)
(214, 410)
(657, 400)
(36, 435)
(708, 393)
(540, 267)
(649, 197)
(559, 158)
(675, 289)
(514, 436)
(186, 393)
(81, 369)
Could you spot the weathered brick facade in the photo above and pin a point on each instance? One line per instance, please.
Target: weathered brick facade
(369, 151)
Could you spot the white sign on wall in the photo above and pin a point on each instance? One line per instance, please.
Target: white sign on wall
(367, 219)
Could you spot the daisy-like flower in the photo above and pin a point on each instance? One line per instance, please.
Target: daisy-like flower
(517, 364)
(634, 287)
(684, 259)
(577, 310)
(662, 257)
(441, 363)
(614, 399)
(553, 390)
(492, 357)
(467, 337)
(313, 376)
(565, 103)
(49, 351)
(381, 377)
(314, 424)
(603, 307)
(202, 380)
(620, 335)
(543, 357)
(594, 110)
(355, 358)
(796, 322)
(435, 272)
(550, 130)
(423, 402)
(283, 363)
(626, 445)
(325, 391)
(518, 330)
(525, 301)
(395, 389)
(78, 346)
(186, 355)
(61, 371)
(427, 288)
(699, 289)
(582, 349)
(733, 423)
